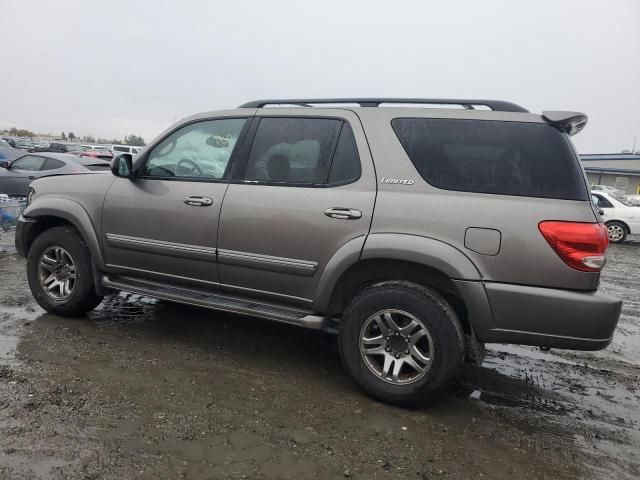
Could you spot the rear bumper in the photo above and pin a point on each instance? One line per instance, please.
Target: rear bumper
(550, 318)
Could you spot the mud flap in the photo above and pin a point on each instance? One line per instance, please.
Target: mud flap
(474, 349)
(98, 286)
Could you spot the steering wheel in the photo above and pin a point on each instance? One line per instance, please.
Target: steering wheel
(161, 172)
(189, 171)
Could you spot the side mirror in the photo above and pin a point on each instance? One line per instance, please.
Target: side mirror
(4, 164)
(122, 166)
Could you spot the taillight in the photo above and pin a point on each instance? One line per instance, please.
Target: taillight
(580, 245)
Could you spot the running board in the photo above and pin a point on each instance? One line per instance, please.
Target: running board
(218, 301)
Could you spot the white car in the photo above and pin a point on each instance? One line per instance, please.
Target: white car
(620, 216)
(118, 149)
(606, 189)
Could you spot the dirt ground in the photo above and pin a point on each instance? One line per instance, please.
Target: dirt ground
(145, 389)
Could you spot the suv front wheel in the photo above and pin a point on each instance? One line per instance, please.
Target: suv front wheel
(59, 272)
(401, 342)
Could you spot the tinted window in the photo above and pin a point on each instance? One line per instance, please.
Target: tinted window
(504, 158)
(197, 150)
(121, 149)
(345, 167)
(28, 163)
(293, 150)
(602, 202)
(52, 163)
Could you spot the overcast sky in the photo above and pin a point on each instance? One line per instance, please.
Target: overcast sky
(108, 68)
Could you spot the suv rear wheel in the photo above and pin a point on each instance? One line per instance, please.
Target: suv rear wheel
(401, 342)
(59, 272)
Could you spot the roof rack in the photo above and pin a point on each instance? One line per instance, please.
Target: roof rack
(497, 105)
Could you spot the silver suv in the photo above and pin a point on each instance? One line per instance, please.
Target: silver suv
(418, 234)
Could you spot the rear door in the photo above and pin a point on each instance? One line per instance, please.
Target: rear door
(164, 223)
(307, 188)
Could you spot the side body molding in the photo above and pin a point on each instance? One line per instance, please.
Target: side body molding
(394, 246)
(75, 214)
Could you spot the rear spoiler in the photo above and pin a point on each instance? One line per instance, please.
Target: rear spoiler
(567, 122)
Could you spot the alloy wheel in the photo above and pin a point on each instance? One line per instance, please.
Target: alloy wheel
(57, 273)
(396, 346)
(616, 233)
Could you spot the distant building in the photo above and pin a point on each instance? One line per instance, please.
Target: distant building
(620, 170)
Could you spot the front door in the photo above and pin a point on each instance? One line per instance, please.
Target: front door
(308, 188)
(163, 224)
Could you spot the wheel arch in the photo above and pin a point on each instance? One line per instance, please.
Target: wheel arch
(621, 222)
(421, 260)
(53, 212)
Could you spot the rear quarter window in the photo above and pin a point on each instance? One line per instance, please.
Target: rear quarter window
(52, 164)
(494, 157)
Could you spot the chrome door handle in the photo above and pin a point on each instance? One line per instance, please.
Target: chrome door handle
(343, 213)
(198, 201)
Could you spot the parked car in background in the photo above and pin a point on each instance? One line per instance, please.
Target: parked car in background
(606, 189)
(120, 149)
(9, 153)
(15, 176)
(42, 144)
(23, 143)
(19, 143)
(103, 154)
(620, 215)
(4, 143)
(60, 147)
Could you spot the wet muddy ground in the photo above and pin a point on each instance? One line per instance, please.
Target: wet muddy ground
(146, 389)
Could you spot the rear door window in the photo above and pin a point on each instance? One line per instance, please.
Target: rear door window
(303, 151)
(503, 158)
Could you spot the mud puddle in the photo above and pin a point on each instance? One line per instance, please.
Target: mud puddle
(146, 389)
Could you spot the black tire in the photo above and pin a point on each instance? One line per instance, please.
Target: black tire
(620, 234)
(436, 315)
(83, 296)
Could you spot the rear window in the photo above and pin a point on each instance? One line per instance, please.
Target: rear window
(483, 156)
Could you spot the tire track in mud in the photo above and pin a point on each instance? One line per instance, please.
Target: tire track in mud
(519, 416)
(595, 395)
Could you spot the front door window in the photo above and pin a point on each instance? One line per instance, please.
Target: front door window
(200, 150)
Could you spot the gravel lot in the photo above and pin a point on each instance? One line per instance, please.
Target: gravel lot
(146, 389)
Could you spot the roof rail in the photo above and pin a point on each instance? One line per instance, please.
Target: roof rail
(497, 105)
